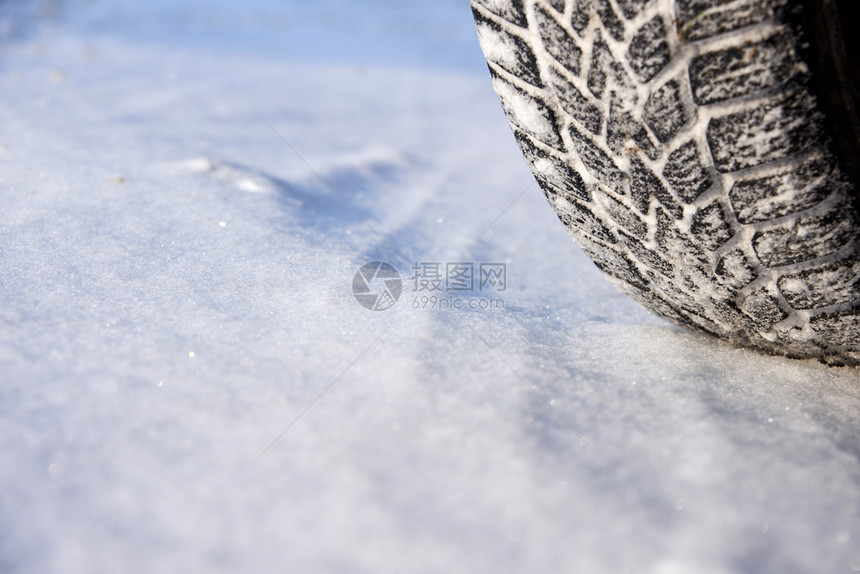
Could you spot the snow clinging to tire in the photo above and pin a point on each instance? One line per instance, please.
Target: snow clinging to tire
(681, 145)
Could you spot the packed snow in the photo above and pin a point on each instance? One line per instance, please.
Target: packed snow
(188, 383)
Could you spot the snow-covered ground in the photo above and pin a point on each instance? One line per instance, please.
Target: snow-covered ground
(188, 384)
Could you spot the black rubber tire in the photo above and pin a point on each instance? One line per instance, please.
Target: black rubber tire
(682, 144)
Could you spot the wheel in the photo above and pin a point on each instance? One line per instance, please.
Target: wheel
(701, 152)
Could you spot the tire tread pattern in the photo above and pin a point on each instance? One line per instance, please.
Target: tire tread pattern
(679, 145)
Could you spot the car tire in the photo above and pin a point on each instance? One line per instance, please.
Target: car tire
(700, 152)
